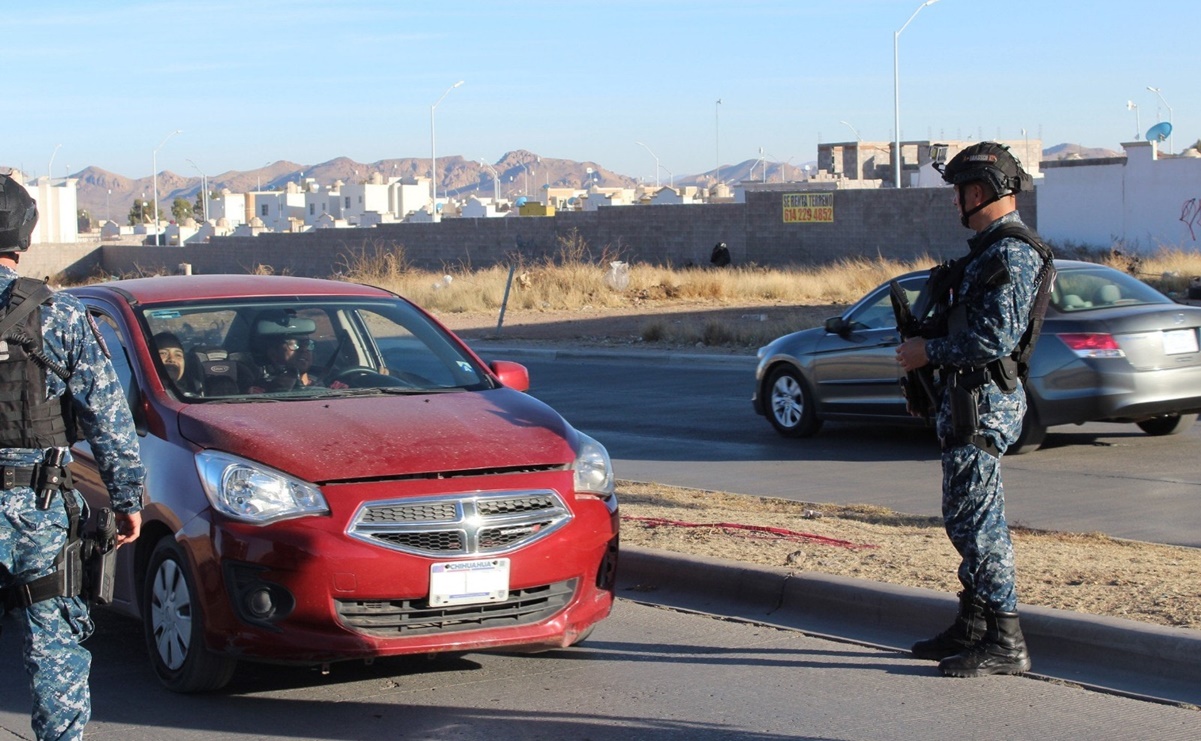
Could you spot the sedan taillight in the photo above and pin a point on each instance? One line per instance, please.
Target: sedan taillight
(1093, 345)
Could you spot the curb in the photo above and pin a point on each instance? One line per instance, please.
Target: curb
(1121, 656)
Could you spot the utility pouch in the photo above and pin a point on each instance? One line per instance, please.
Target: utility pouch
(965, 412)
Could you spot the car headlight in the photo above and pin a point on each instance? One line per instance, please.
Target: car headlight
(254, 493)
(593, 469)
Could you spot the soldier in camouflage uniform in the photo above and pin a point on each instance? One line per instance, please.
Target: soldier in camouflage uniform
(987, 312)
(34, 497)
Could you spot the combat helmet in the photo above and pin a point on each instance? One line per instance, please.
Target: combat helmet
(18, 216)
(989, 162)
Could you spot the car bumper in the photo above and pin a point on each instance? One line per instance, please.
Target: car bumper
(1111, 390)
(337, 598)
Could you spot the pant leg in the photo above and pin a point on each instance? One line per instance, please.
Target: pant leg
(973, 508)
(56, 663)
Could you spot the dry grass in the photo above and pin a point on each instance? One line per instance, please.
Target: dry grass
(1089, 573)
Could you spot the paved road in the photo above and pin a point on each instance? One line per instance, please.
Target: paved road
(646, 673)
(690, 424)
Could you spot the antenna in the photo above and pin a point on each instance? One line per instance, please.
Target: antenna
(1159, 132)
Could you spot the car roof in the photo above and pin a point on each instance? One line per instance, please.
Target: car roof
(175, 288)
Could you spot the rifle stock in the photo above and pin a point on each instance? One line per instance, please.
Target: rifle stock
(917, 385)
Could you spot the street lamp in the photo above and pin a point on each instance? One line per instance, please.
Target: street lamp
(154, 168)
(896, 95)
(204, 193)
(1138, 127)
(50, 169)
(656, 161)
(525, 179)
(717, 140)
(495, 182)
(433, 159)
(853, 130)
(1165, 105)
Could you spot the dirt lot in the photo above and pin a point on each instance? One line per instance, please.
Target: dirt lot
(1089, 572)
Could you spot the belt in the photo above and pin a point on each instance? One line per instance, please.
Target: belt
(13, 476)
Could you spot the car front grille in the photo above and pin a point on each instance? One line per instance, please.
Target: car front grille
(460, 524)
(396, 618)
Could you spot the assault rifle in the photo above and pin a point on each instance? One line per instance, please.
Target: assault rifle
(918, 385)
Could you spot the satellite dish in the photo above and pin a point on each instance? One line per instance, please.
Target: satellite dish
(1159, 131)
(521, 201)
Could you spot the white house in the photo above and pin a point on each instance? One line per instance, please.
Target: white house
(477, 208)
(1142, 201)
(58, 220)
(409, 194)
(228, 206)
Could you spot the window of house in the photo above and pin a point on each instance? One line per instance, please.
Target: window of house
(360, 199)
(347, 201)
(312, 209)
(264, 210)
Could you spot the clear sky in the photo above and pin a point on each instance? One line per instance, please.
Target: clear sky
(255, 81)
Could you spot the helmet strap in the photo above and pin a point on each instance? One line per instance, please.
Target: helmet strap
(966, 215)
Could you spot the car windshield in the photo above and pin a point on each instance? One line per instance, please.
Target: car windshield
(290, 348)
(1100, 287)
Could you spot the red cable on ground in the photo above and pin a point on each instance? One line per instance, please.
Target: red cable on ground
(759, 531)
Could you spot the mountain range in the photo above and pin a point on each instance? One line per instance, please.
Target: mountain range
(105, 194)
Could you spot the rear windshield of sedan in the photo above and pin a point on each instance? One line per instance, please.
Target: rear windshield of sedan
(1086, 289)
(302, 348)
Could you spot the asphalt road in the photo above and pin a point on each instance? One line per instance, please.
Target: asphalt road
(647, 672)
(688, 422)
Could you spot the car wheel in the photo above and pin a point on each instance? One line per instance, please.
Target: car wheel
(1172, 424)
(1032, 435)
(790, 407)
(174, 626)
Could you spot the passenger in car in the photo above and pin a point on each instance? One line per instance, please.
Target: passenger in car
(174, 360)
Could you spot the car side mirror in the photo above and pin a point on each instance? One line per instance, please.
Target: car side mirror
(513, 375)
(837, 325)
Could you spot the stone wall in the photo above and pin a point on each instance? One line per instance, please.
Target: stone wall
(866, 223)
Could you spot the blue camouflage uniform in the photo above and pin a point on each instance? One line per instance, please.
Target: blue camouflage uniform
(30, 538)
(973, 499)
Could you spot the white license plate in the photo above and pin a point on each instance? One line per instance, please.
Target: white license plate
(469, 582)
(1179, 341)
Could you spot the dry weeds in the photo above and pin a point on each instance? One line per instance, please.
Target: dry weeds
(1089, 573)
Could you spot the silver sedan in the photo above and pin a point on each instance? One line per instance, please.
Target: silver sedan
(1113, 349)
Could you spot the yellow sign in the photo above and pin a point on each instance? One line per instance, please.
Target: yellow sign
(808, 207)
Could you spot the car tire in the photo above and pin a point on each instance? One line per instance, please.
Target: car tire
(174, 626)
(790, 406)
(1032, 435)
(1172, 424)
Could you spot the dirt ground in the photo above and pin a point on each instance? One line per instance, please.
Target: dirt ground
(1082, 572)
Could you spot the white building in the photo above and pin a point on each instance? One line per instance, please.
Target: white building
(58, 220)
(280, 210)
(228, 209)
(1140, 202)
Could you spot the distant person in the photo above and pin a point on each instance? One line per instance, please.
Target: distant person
(721, 256)
(986, 311)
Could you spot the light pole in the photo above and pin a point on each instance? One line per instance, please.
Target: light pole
(1165, 105)
(154, 168)
(108, 216)
(896, 96)
(495, 182)
(1138, 127)
(656, 161)
(853, 130)
(717, 140)
(433, 158)
(204, 193)
(525, 179)
(50, 169)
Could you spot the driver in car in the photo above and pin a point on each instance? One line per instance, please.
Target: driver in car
(287, 351)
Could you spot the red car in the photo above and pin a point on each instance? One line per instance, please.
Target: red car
(333, 475)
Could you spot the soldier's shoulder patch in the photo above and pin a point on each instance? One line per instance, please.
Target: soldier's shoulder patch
(99, 339)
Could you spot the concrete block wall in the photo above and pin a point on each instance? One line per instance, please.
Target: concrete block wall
(893, 224)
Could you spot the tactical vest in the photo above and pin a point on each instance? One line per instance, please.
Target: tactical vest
(943, 290)
(27, 418)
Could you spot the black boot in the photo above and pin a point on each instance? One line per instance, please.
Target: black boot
(1001, 651)
(969, 627)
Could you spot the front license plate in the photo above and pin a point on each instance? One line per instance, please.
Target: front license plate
(469, 582)
(1179, 341)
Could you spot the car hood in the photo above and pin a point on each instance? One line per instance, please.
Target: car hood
(325, 440)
